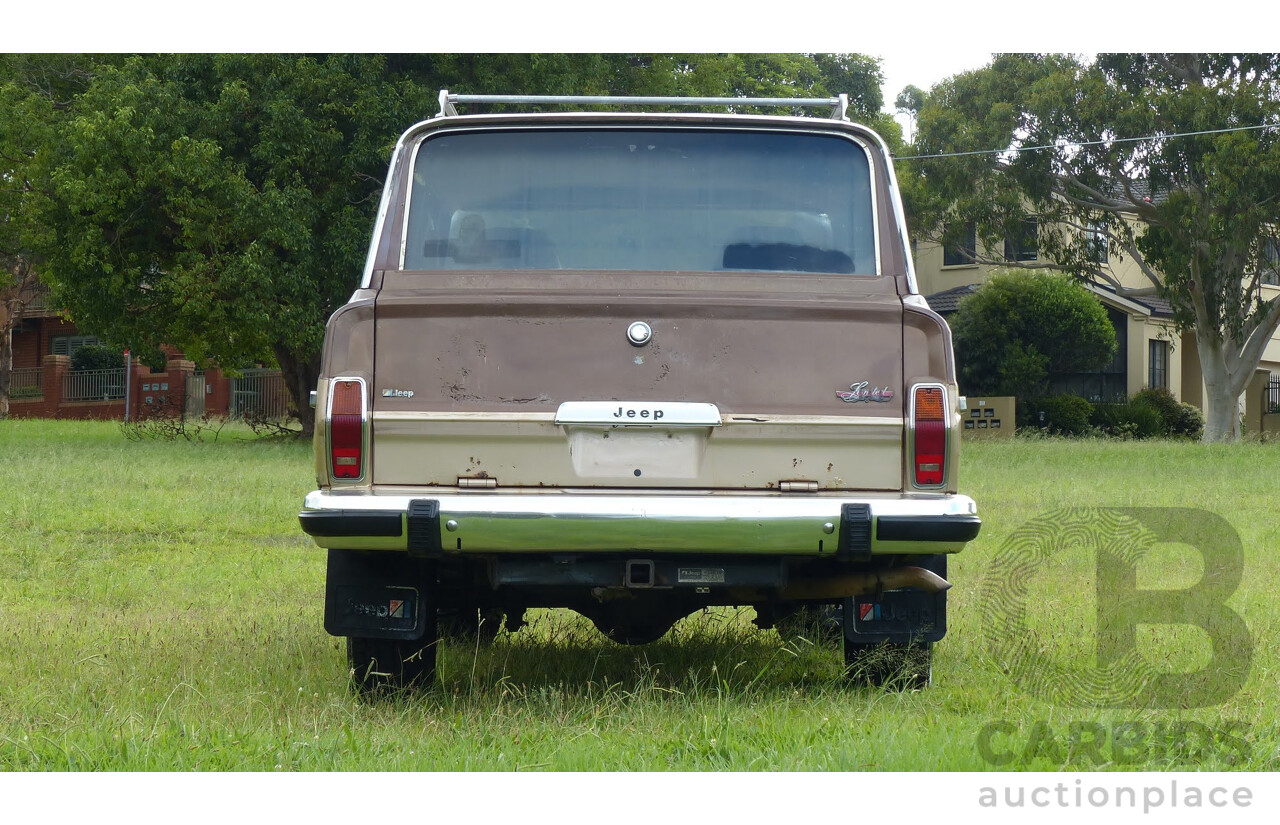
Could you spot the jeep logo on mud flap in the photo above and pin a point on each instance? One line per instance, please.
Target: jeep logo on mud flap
(393, 609)
(919, 616)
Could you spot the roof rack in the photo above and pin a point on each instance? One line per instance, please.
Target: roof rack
(839, 105)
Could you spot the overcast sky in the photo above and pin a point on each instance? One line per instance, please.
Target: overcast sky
(919, 41)
(924, 67)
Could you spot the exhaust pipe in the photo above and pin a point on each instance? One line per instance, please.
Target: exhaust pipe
(859, 584)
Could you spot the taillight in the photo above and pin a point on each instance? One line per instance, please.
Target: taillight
(346, 429)
(929, 421)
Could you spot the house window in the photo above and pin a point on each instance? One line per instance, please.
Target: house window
(1269, 262)
(1158, 364)
(1097, 244)
(963, 253)
(68, 344)
(1025, 245)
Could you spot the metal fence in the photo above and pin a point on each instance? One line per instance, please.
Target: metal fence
(26, 383)
(34, 297)
(93, 385)
(1271, 401)
(259, 395)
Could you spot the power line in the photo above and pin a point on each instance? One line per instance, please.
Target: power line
(1087, 143)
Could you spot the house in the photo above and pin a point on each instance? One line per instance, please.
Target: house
(1150, 352)
(44, 385)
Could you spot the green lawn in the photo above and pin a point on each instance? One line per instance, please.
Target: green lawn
(161, 610)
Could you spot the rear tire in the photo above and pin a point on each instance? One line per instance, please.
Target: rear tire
(892, 665)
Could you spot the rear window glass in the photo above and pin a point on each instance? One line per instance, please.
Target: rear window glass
(645, 200)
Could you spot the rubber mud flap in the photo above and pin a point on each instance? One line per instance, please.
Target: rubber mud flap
(899, 615)
(374, 595)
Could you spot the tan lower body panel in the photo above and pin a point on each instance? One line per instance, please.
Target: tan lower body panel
(745, 452)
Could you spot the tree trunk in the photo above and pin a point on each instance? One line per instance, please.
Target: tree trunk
(300, 376)
(1222, 398)
(1222, 420)
(8, 320)
(6, 367)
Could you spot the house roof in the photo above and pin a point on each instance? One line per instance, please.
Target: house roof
(1142, 191)
(946, 302)
(1155, 305)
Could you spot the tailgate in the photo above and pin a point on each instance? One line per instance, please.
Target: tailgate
(471, 369)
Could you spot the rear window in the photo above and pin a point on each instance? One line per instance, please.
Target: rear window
(645, 200)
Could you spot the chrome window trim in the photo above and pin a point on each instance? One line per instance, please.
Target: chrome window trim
(788, 126)
(899, 215)
(366, 437)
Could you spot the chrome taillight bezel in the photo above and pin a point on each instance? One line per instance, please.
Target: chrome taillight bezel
(361, 477)
(947, 435)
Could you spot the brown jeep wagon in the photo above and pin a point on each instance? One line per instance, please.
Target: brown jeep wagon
(634, 365)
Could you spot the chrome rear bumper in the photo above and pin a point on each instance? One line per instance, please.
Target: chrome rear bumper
(428, 522)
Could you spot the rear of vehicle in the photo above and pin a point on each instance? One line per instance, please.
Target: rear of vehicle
(635, 365)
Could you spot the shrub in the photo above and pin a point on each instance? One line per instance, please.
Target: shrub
(1189, 423)
(1163, 402)
(1063, 414)
(1130, 419)
(1020, 330)
(96, 357)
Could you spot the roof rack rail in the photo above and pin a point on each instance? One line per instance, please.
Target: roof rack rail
(839, 104)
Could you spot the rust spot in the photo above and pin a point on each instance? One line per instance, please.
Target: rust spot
(482, 474)
(829, 466)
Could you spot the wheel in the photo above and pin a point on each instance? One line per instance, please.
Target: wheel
(380, 664)
(472, 624)
(819, 623)
(889, 664)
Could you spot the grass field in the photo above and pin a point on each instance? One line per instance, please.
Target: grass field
(161, 610)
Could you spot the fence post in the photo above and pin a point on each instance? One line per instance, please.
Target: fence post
(55, 366)
(179, 372)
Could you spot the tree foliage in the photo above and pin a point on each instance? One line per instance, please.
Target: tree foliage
(1020, 330)
(34, 92)
(1157, 157)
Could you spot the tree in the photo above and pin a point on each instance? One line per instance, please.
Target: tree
(1021, 330)
(222, 204)
(33, 90)
(909, 102)
(1168, 160)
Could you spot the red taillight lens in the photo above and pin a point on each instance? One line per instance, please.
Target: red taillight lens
(346, 430)
(930, 437)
